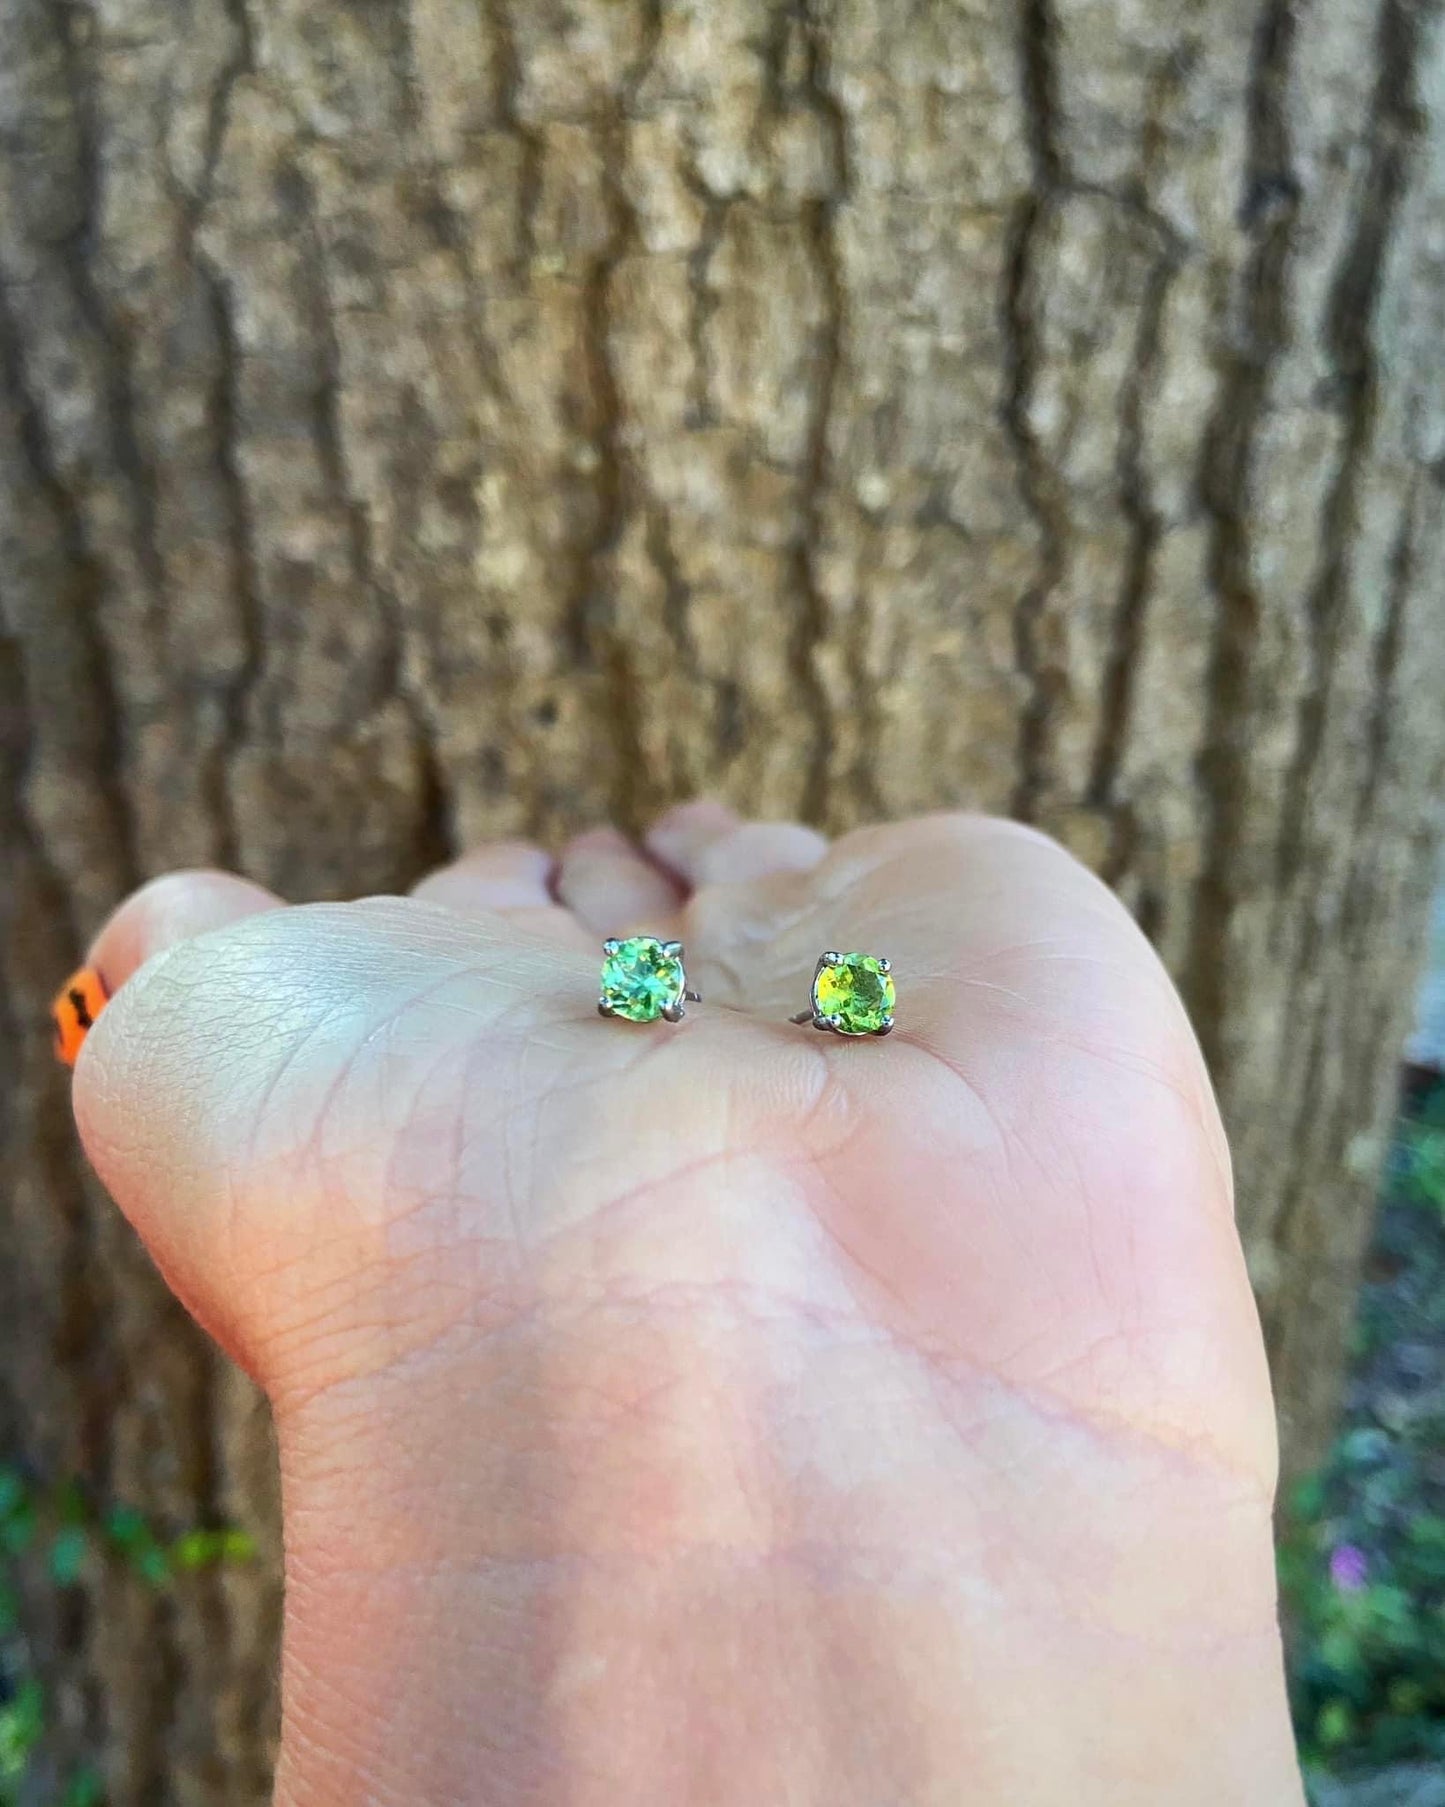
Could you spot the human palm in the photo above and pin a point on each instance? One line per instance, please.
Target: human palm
(724, 1412)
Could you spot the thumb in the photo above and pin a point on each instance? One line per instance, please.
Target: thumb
(250, 1098)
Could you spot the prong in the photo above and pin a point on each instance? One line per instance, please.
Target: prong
(673, 949)
(604, 1008)
(674, 1013)
(885, 966)
(885, 1027)
(611, 945)
(831, 958)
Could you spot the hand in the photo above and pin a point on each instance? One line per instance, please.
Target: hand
(727, 1412)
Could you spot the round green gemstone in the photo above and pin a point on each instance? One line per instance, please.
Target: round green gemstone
(857, 991)
(640, 979)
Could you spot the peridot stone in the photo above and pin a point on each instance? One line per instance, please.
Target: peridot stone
(855, 993)
(641, 979)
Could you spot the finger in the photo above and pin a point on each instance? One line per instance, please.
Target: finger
(707, 843)
(1035, 1021)
(501, 875)
(167, 910)
(173, 908)
(182, 1108)
(509, 878)
(322, 1102)
(611, 888)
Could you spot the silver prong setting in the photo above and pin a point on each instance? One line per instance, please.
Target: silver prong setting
(853, 995)
(632, 969)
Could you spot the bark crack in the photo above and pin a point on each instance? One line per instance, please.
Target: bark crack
(242, 61)
(819, 222)
(505, 100)
(1388, 645)
(1356, 925)
(98, 706)
(77, 252)
(1043, 495)
(1349, 337)
(1145, 527)
(433, 839)
(702, 411)
(591, 608)
(240, 538)
(222, 414)
(1225, 483)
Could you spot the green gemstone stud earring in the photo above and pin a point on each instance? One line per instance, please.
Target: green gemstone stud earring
(853, 994)
(643, 979)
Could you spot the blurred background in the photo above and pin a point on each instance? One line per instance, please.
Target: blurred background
(430, 419)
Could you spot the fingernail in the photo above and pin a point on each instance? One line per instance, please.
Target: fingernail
(77, 1004)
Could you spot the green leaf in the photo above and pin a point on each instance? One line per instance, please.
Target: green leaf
(70, 1507)
(12, 1491)
(1335, 1725)
(125, 1528)
(151, 1564)
(22, 1724)
(200, 1549)
(17, 1531)
(1365, 1446)
(1427, 1531)
(1308, 1499)
(1390, 1608)
(1407, 1697)
(68, 1554)
(1340, 1650)
(129, 1532)
(193, 1550)
(237, 1545)
(86, 1789)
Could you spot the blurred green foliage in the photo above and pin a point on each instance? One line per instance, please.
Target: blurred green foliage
(1422, 1157)
(57, 1534)
(1362, 1551)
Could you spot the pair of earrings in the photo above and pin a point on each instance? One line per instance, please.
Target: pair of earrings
(643, 979)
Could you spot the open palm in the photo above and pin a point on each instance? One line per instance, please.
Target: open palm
(723, 1411)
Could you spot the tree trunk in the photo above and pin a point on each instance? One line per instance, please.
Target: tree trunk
(429, 419)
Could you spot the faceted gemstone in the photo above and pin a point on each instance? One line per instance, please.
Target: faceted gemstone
(857, 991)
(640, 979)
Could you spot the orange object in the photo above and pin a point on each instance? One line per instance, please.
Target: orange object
(78, 1003)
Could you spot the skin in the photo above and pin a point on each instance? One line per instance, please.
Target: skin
(726, 1413)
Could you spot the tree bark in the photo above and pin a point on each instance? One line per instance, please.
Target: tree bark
(430, 419)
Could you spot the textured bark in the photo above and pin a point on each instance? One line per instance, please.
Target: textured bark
(426, 419)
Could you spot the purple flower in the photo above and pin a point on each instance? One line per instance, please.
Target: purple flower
(1349, 1567)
